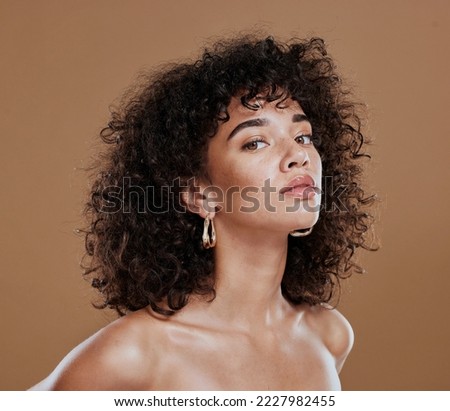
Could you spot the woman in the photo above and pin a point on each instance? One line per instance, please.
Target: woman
(222, 217)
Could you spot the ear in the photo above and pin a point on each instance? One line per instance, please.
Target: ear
(200, 198)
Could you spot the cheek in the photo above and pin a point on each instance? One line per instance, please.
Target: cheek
(226, 176)
(316, 163)
(227, 170)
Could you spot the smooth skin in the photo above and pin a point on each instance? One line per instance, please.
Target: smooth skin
(249, 337)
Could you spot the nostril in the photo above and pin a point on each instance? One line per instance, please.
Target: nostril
(294, 159)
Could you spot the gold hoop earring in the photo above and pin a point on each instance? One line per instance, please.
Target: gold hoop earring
(209, 235)
(302, 233)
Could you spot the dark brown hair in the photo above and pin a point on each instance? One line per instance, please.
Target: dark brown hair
(151, 254)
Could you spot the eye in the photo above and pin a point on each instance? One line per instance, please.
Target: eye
(254, 145)
(304, 139)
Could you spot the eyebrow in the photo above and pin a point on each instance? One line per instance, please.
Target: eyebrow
(298, 118)
(262, 122)
(256, 122)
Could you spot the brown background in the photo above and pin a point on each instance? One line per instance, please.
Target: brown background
(62, 64)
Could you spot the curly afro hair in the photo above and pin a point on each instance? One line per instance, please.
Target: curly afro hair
(138, 256)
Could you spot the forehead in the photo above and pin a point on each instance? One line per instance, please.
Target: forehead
(274, 113)
(236, 109)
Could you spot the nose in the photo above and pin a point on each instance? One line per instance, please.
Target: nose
(295, 157)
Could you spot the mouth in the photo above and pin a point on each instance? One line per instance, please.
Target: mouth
(301, 187)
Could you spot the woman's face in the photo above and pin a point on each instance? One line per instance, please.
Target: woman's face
(264, 169)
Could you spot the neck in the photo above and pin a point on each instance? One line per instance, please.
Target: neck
(249, 268)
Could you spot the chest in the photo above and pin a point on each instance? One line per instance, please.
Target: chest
(242, 365)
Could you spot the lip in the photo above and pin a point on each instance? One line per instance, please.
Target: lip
(301, 186)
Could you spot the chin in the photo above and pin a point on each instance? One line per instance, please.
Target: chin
(307, 221)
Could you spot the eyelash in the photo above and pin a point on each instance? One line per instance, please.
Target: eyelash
(249, 144)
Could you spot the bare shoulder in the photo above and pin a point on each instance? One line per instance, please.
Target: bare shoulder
(118, 357)
(333, 329)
